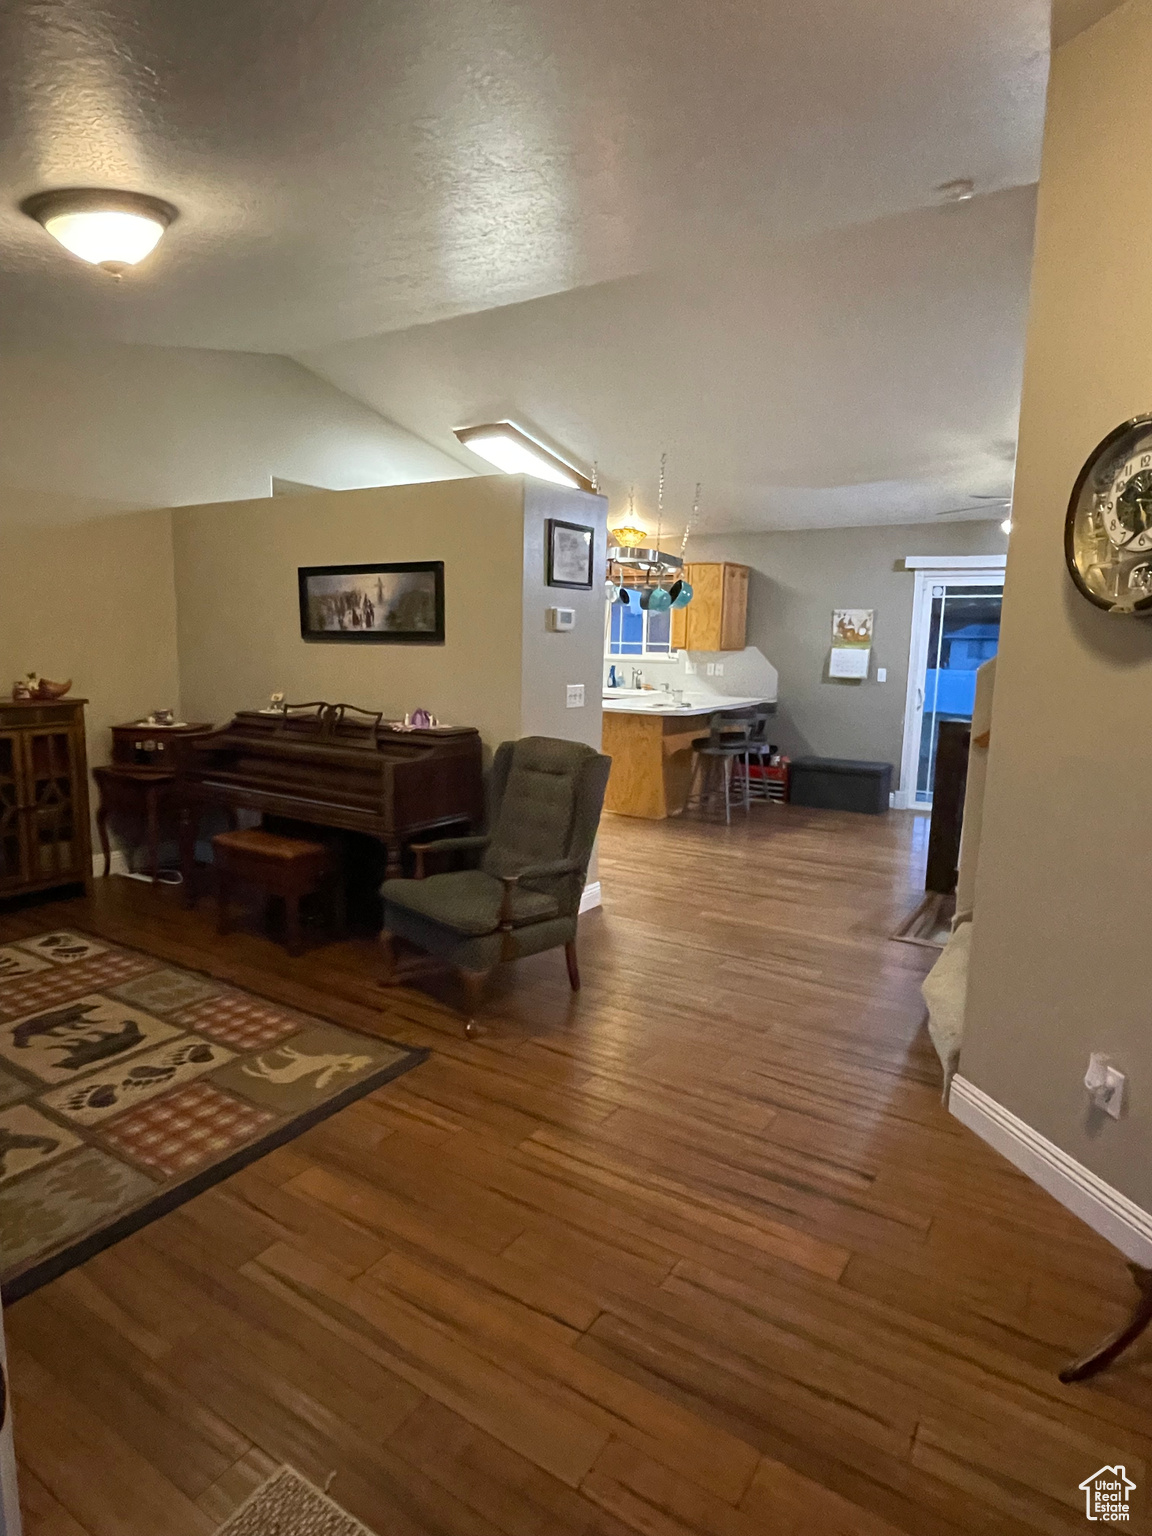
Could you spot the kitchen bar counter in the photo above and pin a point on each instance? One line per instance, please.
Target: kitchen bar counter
(650, 744)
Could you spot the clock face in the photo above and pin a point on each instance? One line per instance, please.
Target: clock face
(1108, 530)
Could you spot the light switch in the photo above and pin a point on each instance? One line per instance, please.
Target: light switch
(575, 695)
(881, 674)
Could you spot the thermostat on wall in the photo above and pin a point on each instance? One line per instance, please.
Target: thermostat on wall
(561, 618)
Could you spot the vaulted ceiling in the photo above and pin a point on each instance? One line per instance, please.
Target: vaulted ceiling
(706, 228)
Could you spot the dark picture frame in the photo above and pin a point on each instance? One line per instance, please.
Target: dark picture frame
(359, 605)
(567, 559)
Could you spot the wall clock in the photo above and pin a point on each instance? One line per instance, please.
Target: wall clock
(1108, 530)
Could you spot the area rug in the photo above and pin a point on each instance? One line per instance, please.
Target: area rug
(930, 925)
(128, 1086)
(289, 1505)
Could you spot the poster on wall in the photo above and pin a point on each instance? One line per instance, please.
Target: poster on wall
(851, 642)
(401, 602)
(852, 628)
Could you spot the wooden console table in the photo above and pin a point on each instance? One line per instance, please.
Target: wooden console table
(136, 786)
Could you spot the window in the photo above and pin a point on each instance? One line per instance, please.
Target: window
(638, 631)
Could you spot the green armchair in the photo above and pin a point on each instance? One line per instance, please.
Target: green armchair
(523, 893)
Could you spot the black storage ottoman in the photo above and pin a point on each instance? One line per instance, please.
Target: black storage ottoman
(840, 784)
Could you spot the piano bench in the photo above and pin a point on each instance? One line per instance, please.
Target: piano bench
(286, 867)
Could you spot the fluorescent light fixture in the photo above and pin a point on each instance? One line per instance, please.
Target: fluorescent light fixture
(511, 449)
(112, 230)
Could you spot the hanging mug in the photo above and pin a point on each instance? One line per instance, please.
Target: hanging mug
(681, 594)
(658, 600)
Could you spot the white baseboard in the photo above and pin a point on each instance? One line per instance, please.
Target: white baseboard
(1118, 1220)
(119, 863)
(591, 897)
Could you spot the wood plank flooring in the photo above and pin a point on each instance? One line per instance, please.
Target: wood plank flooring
(696, 1252)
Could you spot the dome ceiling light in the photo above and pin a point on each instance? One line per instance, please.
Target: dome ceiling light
(111, 230)
(511, 449)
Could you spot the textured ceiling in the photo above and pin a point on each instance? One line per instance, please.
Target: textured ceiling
(347, 167)
(870, 375)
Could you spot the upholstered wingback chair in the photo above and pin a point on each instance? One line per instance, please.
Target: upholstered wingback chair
(522, 894)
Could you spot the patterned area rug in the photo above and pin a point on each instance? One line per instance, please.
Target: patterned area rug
(289, 1505)
(127, 1086)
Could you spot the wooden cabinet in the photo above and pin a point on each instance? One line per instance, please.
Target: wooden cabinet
(717, 617)
(45, 837)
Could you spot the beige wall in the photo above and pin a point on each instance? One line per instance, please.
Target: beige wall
(239, 627)
(96, 603)
(796, 580)
(553, 659)
(239, 621)
(98, 429)
(1059, 965)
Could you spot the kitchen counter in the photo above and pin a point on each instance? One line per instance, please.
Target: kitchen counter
(649, 740)
(638, 704)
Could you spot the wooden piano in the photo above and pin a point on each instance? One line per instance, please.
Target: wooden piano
(330, 765)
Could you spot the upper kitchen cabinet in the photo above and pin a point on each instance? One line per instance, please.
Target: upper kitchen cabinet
(716, 618)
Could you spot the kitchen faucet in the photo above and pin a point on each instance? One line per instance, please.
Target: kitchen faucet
(637, 678)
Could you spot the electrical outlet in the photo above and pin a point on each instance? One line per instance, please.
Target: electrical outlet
(575, 695)
(710, 668)
(719, 669)
(881, 674)
(689, 669)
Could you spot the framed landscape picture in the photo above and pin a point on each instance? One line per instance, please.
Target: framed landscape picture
(401, 603)
(569, 554)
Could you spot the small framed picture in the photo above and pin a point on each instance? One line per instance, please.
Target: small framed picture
(401, 603)
(569, 554)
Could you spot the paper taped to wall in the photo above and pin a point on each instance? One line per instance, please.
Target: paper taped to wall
(849, 661)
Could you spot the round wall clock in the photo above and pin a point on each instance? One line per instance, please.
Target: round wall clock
(1108, 530)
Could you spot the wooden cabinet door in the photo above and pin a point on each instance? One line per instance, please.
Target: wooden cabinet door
(706, 608)
(14, 859)
(734, 611)
(53, 805)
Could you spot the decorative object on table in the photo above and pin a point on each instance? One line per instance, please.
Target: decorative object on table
(45, 838)
(570, 554)
(422, 719)
(21, 692)
(1108, 527)
(161, 717)
(287, 1504)
(136, 1085)
(545, 796)
(851, 642)
(401, 603)
(46, 689)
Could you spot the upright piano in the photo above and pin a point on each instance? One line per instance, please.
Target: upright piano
(331, 765)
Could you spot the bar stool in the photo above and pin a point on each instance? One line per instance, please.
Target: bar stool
(727, 741)
(760, 750)
(287, 867)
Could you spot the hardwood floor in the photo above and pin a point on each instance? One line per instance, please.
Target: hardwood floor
(697, 1252)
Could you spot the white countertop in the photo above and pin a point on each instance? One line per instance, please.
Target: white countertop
(656, 702)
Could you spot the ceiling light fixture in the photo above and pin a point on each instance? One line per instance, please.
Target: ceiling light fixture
(1006, 525)
(512, 450)
(111, 230)
(961, 190)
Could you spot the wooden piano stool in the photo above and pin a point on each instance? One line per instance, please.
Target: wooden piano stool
(286, 867)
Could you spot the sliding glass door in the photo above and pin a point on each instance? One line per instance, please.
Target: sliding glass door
(955, 628)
